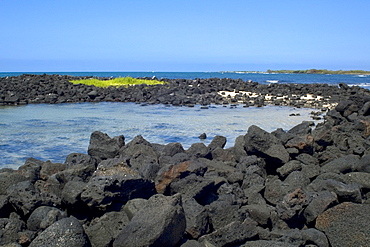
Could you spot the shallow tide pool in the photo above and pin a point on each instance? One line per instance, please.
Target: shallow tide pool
(51, 132)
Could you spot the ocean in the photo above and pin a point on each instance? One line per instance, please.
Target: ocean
(353, 80)
(51, 132)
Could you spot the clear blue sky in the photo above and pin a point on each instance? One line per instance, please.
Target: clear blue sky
(191, 35)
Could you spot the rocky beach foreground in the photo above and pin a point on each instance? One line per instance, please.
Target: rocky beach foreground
(307, 186)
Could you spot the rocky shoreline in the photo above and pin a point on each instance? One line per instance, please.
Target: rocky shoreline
(54, 89)
(308, 186)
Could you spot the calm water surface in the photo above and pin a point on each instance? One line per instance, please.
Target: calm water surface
(51, 132)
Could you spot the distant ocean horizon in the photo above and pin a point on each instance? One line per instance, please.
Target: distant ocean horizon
(263, 78)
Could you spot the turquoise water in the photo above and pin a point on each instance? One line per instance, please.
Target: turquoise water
(51, 132)
(359, 80)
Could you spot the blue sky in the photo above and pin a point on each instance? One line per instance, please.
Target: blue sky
(191, 35)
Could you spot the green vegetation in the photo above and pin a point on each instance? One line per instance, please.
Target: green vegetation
(116, 82)
(320, 71)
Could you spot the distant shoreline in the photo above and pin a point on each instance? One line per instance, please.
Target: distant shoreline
(308, 71)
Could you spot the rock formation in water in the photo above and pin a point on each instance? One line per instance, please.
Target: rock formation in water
(52, 89)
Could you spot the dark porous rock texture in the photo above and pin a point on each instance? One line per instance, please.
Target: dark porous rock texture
(115, 183)
(161, 222)
(66, 232)
(104, 147)
(44, 216)
(103, 230)
(307, 186)
(346, 224)
(266, 145)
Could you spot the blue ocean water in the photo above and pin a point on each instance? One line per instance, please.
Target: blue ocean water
(51, 132)
(358, 80)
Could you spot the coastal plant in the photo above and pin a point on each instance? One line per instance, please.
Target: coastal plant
(116, 82)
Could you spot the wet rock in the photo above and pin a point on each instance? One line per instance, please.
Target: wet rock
(346, 224)
(160, 223)
(66, 232)
(202, 136)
